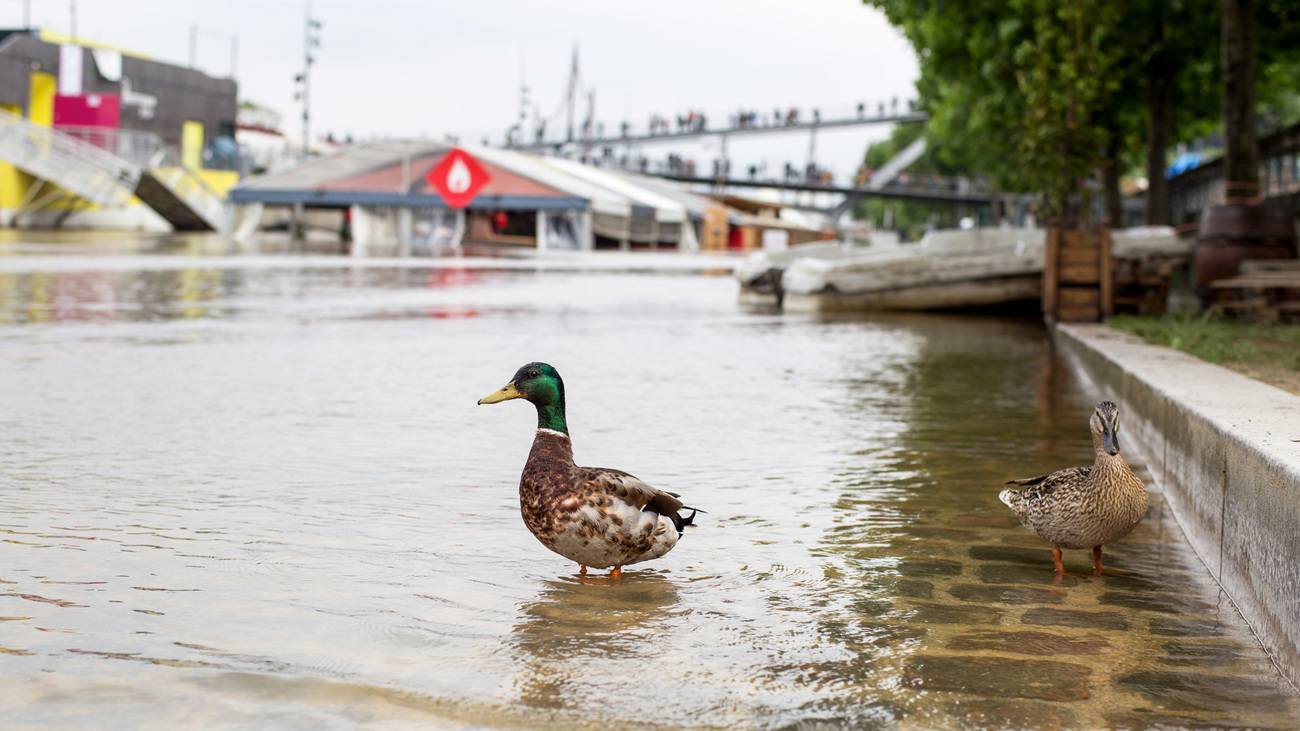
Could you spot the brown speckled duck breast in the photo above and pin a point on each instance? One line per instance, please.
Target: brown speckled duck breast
(598, 517)
(1083, 507)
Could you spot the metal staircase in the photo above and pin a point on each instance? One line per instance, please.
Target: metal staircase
(882, 177)
(89, 172)
(181, 197)
(108, 166)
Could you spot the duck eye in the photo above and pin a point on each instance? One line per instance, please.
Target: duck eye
(533, 374)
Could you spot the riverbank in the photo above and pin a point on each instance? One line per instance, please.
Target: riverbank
(1225, 451)
(1268, 353)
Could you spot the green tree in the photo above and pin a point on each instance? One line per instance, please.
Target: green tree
(968, 82)
(1068, 78)
(992, 71)
(1278, 79)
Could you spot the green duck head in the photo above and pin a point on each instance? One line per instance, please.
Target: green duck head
(1105, 428)
(540, 384)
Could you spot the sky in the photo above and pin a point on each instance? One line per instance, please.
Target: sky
(428, 68)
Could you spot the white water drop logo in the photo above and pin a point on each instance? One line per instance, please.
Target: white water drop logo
(459, 177)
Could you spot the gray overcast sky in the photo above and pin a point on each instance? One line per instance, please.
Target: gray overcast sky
(412, 68)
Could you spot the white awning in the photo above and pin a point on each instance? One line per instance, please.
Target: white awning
(603, 201)
(666, 209)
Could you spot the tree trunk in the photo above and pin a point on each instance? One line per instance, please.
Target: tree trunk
(1110, 181)
(1240, 148)
(1160, 102)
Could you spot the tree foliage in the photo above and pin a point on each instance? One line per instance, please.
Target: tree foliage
(1042, 94)
(1067, 77)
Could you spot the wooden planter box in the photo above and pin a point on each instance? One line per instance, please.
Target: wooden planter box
(1078, 276)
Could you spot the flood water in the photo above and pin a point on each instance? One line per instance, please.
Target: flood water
(266, 498)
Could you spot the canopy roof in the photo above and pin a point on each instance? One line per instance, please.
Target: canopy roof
(666, 210)
(603, 200)
(391, 173)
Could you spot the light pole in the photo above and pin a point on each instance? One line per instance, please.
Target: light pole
(311, 39)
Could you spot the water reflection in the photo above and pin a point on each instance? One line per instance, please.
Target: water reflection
(214, 293)
(574, 623)
(920, 515)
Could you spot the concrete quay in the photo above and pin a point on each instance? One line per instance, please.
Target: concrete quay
(1225, 452)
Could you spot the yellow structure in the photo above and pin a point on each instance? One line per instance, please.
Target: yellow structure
(57, 38)
(192, 144)
(13, 182)
(40, 101)
(32, 201)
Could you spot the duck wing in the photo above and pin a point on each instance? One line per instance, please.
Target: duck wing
(1037, 488)
(632, 491)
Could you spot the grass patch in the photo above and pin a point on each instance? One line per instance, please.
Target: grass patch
(1269, 353)
(1219, 341)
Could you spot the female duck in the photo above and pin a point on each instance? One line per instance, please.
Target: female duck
(1083, 507)
(595, 516)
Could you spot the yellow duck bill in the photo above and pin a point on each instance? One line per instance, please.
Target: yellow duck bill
(506, 393)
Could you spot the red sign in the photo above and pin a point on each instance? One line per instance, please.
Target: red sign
(87, 110)
(458, 178)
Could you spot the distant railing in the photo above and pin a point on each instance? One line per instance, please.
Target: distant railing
(1193, 191)
(808, 177)
(694, 124)
(146, 149)
(86, 169)
(163, 161)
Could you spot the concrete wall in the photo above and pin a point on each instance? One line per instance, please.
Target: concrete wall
(1226, 452)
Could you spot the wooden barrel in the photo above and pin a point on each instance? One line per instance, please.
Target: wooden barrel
(1234, 232)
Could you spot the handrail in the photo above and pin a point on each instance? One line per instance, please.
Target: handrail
(149, 151)
(84, 169)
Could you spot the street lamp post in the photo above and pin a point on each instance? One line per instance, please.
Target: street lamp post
(311, 40)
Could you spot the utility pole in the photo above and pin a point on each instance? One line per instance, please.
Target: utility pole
(72, 12)
(27, 14)
(194, 43)
(311, 39)
(523, 104)
(573, 91)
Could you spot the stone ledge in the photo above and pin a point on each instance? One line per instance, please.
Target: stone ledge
(1223, 450)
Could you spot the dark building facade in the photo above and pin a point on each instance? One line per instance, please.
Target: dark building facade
(174, 102)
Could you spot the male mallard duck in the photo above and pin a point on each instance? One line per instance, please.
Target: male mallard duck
(1080, 507)
(598, 517)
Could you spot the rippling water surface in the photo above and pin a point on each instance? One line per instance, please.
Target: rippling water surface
(267, 498)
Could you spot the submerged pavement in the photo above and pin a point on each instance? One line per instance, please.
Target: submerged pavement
(1225, 451)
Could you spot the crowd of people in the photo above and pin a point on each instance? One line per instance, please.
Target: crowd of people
(695, 121)
(691, 121)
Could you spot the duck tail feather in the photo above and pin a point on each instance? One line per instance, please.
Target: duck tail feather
(689, 520)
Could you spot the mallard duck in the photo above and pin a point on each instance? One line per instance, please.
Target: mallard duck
(595, 516)
(1082, 507)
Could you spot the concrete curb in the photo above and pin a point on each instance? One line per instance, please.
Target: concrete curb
(1223, 449)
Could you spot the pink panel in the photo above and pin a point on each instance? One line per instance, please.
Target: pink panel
(87, 110)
